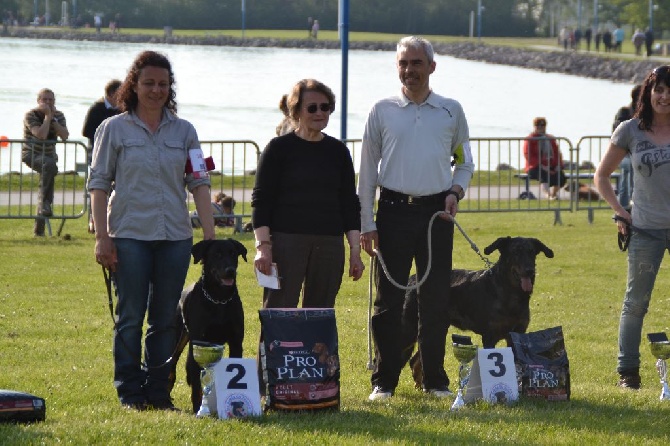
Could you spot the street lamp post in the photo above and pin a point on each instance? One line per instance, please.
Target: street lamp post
(479, 19)
(579, 15)
(343, 13)
(243, 18)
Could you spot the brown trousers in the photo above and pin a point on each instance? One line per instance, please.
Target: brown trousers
(313, 264)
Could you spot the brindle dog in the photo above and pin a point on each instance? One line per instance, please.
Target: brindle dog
(490, 302)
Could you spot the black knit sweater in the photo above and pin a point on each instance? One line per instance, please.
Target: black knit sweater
(305, 187)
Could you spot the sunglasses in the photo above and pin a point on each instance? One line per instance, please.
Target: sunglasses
(663, 69)
(324, 107)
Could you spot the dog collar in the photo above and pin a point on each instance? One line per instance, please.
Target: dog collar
(211, 299)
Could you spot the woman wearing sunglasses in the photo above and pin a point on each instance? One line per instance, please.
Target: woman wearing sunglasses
(646, 139)
(303, 202)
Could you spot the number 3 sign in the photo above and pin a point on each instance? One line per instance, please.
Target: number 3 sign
(493, 376)
(236, 386)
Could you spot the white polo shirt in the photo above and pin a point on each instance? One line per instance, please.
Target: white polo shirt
(408, 148)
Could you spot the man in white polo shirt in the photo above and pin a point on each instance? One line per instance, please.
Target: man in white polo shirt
(408, 146)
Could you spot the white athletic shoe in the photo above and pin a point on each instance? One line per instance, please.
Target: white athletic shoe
(443, 393)
(380, 394)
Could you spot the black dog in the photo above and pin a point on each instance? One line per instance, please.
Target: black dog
(490, 302)
(210, 310)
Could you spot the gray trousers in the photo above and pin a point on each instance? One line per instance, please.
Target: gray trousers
(46, 166)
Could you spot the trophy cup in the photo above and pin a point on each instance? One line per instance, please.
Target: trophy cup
(206, 355)
(464, 352)
(660, 348)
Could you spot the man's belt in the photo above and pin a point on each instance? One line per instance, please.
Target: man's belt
(393, 197)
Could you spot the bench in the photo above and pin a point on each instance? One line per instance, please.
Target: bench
(238, 226)
(528, 195)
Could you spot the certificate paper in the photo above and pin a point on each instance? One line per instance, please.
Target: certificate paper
(269, 280)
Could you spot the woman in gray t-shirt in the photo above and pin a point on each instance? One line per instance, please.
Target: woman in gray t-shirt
(646, 138)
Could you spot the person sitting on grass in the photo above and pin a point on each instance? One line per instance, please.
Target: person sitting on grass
(222, 205)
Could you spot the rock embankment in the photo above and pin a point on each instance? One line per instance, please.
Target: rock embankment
(566, 62)
(559, 61)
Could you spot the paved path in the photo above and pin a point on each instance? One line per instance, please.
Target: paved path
(244, 195)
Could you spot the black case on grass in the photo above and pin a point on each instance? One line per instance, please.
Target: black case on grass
(21, 407)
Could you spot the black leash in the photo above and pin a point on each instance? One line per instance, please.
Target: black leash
(623, 239)
(109, 282)
(474, 247)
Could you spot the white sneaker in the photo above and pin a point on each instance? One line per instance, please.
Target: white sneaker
(380, 394)
(445, 393)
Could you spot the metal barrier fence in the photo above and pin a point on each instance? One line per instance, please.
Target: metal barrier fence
(498, 185)
(234, 174)
(501, 185)
(19, 184)
(589, 152)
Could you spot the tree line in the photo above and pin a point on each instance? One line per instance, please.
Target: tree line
(499, 18)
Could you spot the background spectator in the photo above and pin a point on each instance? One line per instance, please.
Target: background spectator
(544, 162)
(42, 126)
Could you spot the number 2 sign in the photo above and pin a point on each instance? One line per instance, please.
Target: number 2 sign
(493, 376)
(236, 386)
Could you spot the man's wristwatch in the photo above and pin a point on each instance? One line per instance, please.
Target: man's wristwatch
(263, 242)
(458, 195)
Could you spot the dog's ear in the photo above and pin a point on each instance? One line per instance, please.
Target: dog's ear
(541, 247)
(241, 250)
(199, 249)
(499, 244)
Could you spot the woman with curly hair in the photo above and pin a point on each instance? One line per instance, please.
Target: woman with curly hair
(143, 230)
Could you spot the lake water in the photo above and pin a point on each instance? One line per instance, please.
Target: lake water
(232, 93)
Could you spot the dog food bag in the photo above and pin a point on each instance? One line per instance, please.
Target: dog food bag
(301, 367)
(542, 365)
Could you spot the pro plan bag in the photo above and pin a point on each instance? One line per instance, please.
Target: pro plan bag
(542, 366)
(298, 353)
(22, 407)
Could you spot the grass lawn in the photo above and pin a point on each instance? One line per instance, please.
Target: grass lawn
(56, 333)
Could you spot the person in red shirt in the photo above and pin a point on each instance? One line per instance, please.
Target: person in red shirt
(544, 162)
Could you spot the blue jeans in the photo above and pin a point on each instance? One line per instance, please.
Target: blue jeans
(645, 254)
(149, 276)
(625, 182)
